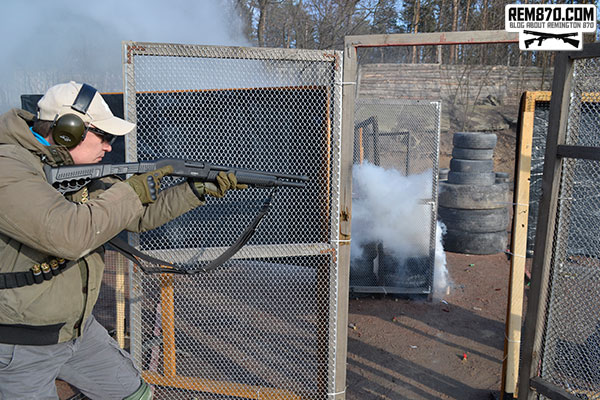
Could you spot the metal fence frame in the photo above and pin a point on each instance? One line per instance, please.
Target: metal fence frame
(339, 248)
(530, 384)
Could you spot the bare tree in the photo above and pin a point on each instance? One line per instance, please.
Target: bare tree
(324, 23)
(484, 23)
(262, 21)
(467, 10)
(244, 12)
(454, 48)
(416, 15)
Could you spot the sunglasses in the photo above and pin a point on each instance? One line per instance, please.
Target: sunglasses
(106, 137)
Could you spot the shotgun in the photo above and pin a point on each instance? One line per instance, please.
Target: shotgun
(70, 178)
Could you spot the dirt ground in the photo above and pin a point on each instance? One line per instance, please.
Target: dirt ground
(448, 348)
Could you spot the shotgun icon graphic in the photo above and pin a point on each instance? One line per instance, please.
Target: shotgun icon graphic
(541, 36)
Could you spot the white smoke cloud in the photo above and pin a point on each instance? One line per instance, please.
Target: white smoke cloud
(441, 279)
(391, 209)
(387, 207)
(48, 42)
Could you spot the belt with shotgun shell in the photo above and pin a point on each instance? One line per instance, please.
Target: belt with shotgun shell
(38, 273)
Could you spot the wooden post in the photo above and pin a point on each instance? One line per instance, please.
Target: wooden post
(167, 299)
(345, 210)
(361, 149)
(514, 310)
(121, 265)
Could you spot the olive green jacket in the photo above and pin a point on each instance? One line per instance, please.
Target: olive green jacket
(37, 224)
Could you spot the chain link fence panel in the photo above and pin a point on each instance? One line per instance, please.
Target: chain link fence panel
(395, 251)
(571, 336)
(263, 325)
(538, 151)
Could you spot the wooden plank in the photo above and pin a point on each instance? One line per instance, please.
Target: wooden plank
(121, 265)
(167, 302)
(361, 149)
(433, 38)
(407, 80)
(206, 254)
(219, 387)
(514, 312)
(132, 49)
(518, 250)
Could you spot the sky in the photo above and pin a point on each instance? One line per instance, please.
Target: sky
(48, 42)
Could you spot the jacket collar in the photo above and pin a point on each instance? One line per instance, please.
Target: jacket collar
(14, 129)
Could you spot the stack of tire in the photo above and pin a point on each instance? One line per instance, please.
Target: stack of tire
(473, 201)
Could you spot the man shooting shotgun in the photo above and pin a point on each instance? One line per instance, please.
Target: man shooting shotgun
(541, 36)
(52, 241)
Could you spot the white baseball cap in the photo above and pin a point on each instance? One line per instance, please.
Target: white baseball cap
(58, 101)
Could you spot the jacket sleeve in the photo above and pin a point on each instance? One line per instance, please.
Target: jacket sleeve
(170, 204)
(37, 215)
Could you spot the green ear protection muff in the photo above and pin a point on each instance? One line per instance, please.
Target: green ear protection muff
(69, 130)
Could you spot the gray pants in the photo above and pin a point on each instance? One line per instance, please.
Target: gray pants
(93, 363)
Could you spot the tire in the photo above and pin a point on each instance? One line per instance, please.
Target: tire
(472, 178)
(472, 154)
(474, 140)
(443, 174)
(502, 177)
(477, 221)
(361, 273)
(475, 243)
(361, 268)
(409, 273)
(473, 197)
(458, 165)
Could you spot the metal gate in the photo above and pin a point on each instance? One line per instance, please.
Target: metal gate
(561, 353)
(402, 137)
(265, 324)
